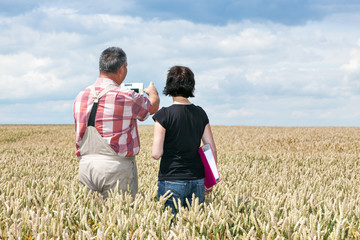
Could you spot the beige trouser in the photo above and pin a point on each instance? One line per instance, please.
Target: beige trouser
(101, 169)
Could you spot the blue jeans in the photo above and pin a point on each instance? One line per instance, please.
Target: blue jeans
(181, 189)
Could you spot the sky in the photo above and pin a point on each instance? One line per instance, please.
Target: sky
(256, 63)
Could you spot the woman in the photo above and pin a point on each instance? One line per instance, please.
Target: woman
(178, 132)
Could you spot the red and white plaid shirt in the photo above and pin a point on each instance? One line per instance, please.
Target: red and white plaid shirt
(116, 116)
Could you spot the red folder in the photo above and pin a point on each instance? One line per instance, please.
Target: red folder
(212, 176)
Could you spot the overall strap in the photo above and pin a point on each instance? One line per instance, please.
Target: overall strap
(91, 121)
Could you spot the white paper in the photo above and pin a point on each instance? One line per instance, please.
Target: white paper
(211, 160)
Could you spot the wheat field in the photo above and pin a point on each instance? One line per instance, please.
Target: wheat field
(276, 183)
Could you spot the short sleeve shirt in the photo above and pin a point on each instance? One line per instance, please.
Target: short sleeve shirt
(116, 116)
(184, 125)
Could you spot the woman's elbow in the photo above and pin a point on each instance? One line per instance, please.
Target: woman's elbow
(156, 155)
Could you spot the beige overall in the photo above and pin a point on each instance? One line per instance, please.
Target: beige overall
(100, 168)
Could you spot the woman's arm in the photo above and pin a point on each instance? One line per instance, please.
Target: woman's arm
(158, 143)
(208, 138)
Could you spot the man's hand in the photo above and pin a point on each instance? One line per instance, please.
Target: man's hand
(150, 89)
(153, 96)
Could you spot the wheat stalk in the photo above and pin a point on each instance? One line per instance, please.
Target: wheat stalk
(277, 183)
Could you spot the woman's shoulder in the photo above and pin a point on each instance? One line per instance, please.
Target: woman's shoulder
(161, 111)
(175, 108)
(202, 113)
(199, 108)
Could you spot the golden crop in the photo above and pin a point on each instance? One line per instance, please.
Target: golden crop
(277, 183)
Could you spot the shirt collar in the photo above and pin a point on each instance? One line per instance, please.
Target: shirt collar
(104, 82)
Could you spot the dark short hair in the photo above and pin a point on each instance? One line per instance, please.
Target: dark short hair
(111, 60)
(180, 82)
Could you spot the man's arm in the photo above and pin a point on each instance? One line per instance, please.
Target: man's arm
(154, 97)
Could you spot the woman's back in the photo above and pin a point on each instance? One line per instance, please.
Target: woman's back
(184, 125)
(178, 132)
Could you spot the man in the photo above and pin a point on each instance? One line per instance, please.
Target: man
(107, 137)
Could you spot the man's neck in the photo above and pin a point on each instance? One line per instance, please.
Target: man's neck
(111, 76)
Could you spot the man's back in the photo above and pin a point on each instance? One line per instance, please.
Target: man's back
(116, 116)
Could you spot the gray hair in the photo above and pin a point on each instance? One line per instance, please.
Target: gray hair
(112, 59)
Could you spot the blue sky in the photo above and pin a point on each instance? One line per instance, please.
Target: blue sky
(263, 63)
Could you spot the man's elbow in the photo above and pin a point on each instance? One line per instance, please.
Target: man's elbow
(155, 106)
(154, 109)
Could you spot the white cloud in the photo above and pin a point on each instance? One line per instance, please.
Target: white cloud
(248, 39)
(351, 71)
(353, 66)
(42, 112)
(299, 114)
(51, 54)
(239, 113)
(22, 76)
